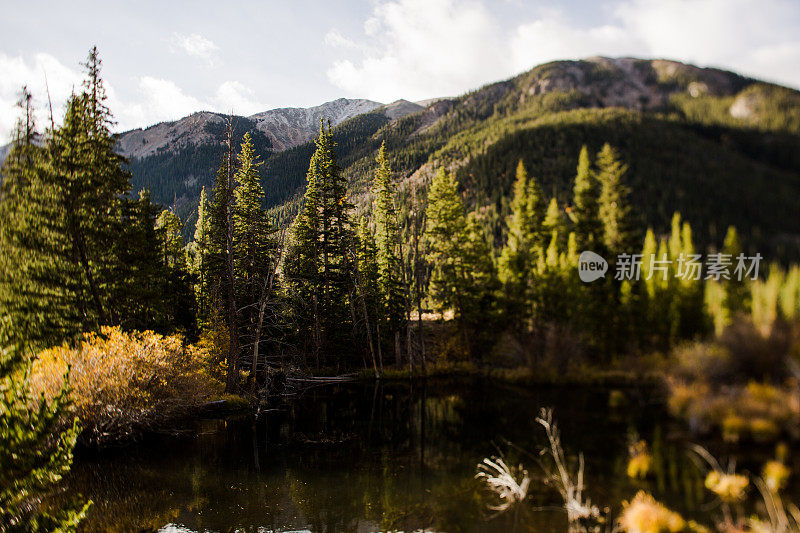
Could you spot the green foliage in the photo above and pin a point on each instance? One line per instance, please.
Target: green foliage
(464, 277)
(586, 198)
(524, 249)
(79, 252)
(614, 211)
(34, 452)
(319, 264)
(388, 247)
(197, 252)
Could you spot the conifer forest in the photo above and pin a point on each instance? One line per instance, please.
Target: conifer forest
(564, 301)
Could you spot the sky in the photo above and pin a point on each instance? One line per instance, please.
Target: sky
(163, 60)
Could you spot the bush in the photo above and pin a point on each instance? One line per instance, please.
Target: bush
(740, 354)
(122, 383)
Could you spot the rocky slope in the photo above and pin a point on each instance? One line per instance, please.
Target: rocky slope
(285, 127)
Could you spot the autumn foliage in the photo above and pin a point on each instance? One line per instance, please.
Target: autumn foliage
(124, 382)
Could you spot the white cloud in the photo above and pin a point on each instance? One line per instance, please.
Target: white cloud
(42, 72)
(195, 45)
(552, 37)
(153, 100)
(417, 49)
(157, 100)
(235, 97)
(160, 100)
(757, 37)
(335, 39)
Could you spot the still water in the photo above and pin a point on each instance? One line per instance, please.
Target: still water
(390, 457)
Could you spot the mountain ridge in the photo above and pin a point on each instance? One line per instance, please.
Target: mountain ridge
(542, 116)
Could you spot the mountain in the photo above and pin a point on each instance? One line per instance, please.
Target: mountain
(719, 147)
(174, 160)
(283, 128)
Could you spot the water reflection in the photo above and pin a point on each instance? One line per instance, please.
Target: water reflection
(355, 458)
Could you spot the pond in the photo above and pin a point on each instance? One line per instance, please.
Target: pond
(387, 457)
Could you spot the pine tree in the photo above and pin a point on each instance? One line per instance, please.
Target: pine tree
(588, 228)
(369, 290)
(736, 293)
(554, 222)
(523, 251)
(614, 211)
(320, 263)
(254, 251)
(141, 272)
(34, 453)
(463, 278)
(32, 243)
(197, 257)
(176, 295)
(445, 232)
(221, 258)
(168, 224)
(388, 246)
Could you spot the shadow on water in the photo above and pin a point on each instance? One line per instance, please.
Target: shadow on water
(367, 458)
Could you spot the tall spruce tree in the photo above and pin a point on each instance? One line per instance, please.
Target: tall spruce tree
(83, 268)
(175, 287)
(32, 241)
(586, 194)
(614, 210)
(523, 250)
(222, 261)
(254, 250)
(197, 252)
(320, 263)
(464, 278)
(388, 247)
(370, 295)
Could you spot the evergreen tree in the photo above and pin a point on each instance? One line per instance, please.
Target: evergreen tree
(73, 260)
(614, 211)
(32, 241)
(197, 257)
(388, 247)
(176, 293)
(221, 259)
(34, 453)
(463, 278)
(319, 263)
(370, 294)
(554, 222)
(736, 292)
(168, 224)
(523, 251)
(253, 247)
(445, 232)
(588, 228)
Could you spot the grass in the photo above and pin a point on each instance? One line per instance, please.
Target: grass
(524, 376)
(732, 509)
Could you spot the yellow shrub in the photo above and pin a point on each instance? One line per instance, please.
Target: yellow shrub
(732, 427)
(730, 488)
(763, 429)
(776, 474)
(640, 461)
(124, 381)
(646, 515)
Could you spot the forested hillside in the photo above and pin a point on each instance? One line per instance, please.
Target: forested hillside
(717, 147)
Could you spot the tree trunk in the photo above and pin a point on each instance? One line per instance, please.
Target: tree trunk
(398, 359)
(232, 379)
